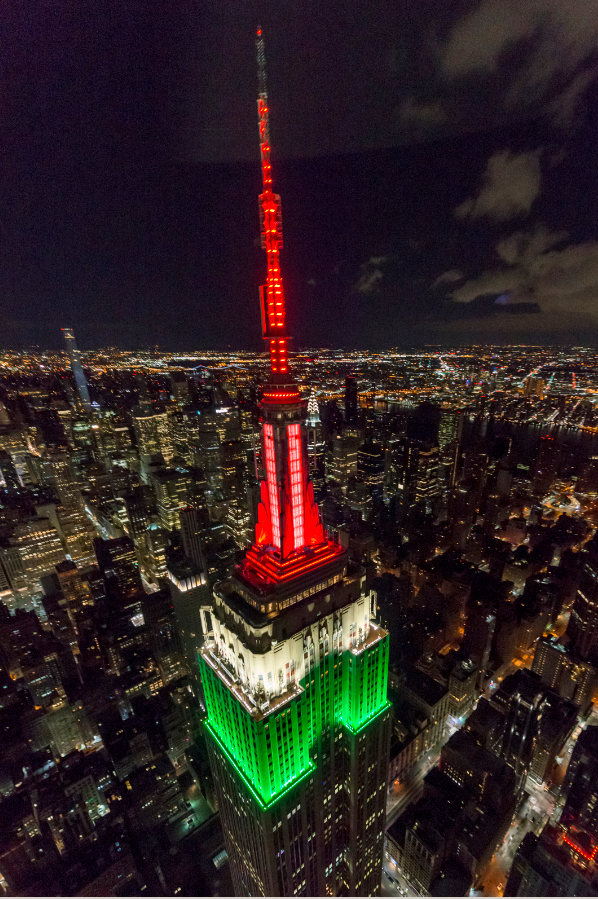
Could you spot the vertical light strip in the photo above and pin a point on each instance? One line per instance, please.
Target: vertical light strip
(296, 482)
(271, 481)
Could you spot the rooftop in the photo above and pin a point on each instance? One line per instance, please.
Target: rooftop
(258, 709)
(423, 686)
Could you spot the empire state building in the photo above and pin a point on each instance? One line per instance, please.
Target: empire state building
(295, 674)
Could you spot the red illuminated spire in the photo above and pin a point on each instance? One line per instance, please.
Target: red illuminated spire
(289, 537)
(272, 292)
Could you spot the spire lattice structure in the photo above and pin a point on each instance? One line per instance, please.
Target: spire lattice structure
(272, 292)
(289, 537)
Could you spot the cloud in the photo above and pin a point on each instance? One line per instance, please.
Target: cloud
(449, 277)
(522, 247)
(564, 108)
(564, 282)
(500, 281)
(511, 184)
(479, 38)
(558, 38)
(371, 275)
(419, 116)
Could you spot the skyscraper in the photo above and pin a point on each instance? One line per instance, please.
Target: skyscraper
(77, 368)
(8, 473)
(192, 522)
(153, 432)
(423, 423)
(295, 674)
(581, 784)
(351, 400)
(370, 466)
(583, 623)
(314, 428)
(413, 476)
(117, 560)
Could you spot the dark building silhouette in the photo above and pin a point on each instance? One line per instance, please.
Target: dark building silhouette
(9, 473)
(370, 467)
(351, 404)
(137, 511)
(546, 464)
(423, 423)
(583, 623)
(581, 784)
(118, 563)
(193, 524)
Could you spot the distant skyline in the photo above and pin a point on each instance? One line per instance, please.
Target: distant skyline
(436, 164)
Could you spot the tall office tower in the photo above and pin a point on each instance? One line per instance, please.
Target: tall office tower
(191, 596)
(171, 487)
(370, 467)
(571, 677)
(583, 623)
(314, 428)
(345, 448)
(77, 533)
(39, 547)
(117, 560)
(153, 432)
(295, 674)
(546, 464)
(8, 473)
(63, 477)
(450, 432)
(351, 404)
(522, 698)
(164, 639)
(450, 428)
(235, 476)
(475, 468)
(193, 521)
(423, 423)
(137, 511)
(180, 387)
(427, 487)
(237, 523)
(313, 410)
(413, 476)
(153, 551)
(580, 786)
(76, 367)
(74, 590)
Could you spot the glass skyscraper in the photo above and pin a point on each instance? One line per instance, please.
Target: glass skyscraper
(77, 368)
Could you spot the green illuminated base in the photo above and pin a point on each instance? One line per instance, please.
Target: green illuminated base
(272, 753)
(370, 720)
(264, 806)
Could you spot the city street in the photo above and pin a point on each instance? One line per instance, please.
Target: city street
(393, 882)
(413, 785)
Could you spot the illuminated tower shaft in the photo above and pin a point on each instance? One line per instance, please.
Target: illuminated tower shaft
(272, 293)
(295, 671)
(77, 368)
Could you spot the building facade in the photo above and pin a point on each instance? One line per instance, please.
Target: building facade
(295, 671)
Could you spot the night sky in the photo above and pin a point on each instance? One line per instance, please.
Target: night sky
(436, 161)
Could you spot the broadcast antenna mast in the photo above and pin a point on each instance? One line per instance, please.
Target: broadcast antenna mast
(272, 292)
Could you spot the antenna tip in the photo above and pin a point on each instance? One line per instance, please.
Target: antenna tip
(259, 32)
